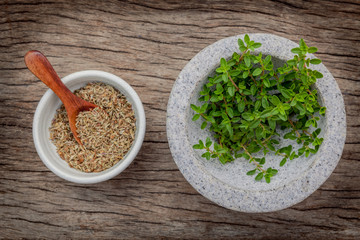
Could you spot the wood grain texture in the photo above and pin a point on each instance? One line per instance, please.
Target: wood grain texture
(147, 43)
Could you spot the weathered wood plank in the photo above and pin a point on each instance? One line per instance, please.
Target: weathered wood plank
(147, 43)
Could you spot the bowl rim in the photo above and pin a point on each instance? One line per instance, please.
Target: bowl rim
(111, 172)
(223, 194)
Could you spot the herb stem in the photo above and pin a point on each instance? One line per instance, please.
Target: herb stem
(292, 124)
(237, 88)
(258, 166)
(210, 151)
(251, 76)
(308, 133)
(282, 155)
(242, 56)
(266, 140)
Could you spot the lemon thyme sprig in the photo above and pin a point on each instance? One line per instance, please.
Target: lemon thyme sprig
(248, 98)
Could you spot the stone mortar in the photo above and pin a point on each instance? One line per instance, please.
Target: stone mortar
(228, 185)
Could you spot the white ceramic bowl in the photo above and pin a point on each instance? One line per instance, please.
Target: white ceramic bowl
(45, 112)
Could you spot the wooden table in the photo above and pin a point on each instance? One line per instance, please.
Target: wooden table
(148, 43)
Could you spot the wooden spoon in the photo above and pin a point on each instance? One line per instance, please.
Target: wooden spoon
(38, 64)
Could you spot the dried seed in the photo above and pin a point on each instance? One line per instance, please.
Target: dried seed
(103, 131)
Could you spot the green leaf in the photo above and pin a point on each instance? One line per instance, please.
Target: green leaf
(253, 148)
(230, 130)
(287, 150)
(296, 50)
(247, 39)
(291, 62)
(245, 74)
(259, 133)
(303, 46)
(241, 106)
(309, 122)
(243, 48)
(301, 64)
(264, 102)
(225, 77)
(290, 135)
(266, 82)
(247, 61)
(210, 119)
(206, 155)
(236, 119)
(219, 88)
(203, 125)
(230, 112)
(301, 108)
(267, 60)
(275, 100)
(247, 92)
(246, 156)
(266, 113)
(283, 161)
(318, 74)
(257, 105)
(285, 93)
(283, 117)
(315, 61)
(322, 110)
(234, 73)
(241, 43)
(254, 124)
(259, 176)
(316, 132)
(204, 107)
(231, 91)
(275, 111)
(252, 172)
(241, 86)
(257, 72)
(208, 142)
(267, 179)
(223, 62)
(195, 108)
(312, 49)
(196, 117)
(214, 98)
(272, 124)
(270, 146)
(197, 146)
(248, 116)
(256, 45)
(253, 90)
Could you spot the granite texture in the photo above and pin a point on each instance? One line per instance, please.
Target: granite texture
(228, 185)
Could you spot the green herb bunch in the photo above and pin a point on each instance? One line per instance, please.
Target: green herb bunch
(247, 99)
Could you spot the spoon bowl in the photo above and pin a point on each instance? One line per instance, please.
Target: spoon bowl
(40, 66)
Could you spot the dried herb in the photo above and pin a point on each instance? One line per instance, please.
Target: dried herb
(248, 99)
(107, 132)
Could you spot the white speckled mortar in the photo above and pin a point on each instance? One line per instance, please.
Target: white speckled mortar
(228, 185)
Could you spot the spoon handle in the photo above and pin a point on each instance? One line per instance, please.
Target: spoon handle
(41, 67)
